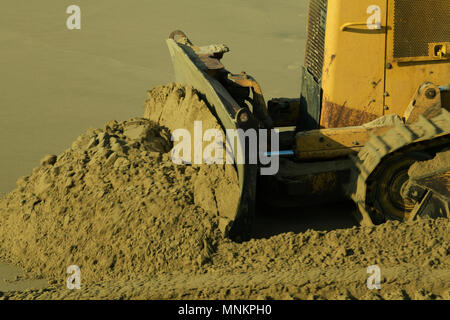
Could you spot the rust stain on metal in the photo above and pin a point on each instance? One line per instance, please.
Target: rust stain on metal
(376, 83)
(333, 56)
(339, 116)
(210, 62)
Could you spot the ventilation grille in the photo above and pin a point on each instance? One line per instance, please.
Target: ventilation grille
(417, 23)
(315, 39)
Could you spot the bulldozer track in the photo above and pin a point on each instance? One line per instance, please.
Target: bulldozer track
(423, 135)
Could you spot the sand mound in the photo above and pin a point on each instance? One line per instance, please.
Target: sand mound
(117, 206)
(175, 106)
(422, 243)
(439, 164)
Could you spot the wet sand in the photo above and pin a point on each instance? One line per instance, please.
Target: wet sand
(12, 279)
(57, 83)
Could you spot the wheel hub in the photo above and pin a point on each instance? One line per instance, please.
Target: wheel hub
(390, 182)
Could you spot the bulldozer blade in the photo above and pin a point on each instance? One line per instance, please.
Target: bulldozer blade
(190, 70)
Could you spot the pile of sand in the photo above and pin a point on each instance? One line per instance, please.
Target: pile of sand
(422, 243)
(439, 164)
(175, 106)
(117, 206)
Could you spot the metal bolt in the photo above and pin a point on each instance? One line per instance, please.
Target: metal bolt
(389, 66)
(386, 108)
(430, 93)
(243, 117)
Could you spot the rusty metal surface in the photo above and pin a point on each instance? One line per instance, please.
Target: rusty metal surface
(182, 38)
(335, 142)
(325, 154)
(210, 62)
(337, 116)
(259, 104)
(353, 74)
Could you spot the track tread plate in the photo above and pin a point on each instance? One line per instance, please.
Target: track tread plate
(379, 148)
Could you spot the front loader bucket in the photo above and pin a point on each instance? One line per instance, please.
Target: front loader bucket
(190, 70)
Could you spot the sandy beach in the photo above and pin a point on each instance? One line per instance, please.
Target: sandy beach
(87, 178)
(57, 82)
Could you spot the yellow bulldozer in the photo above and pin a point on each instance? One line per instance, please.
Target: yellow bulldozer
(374, 101)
